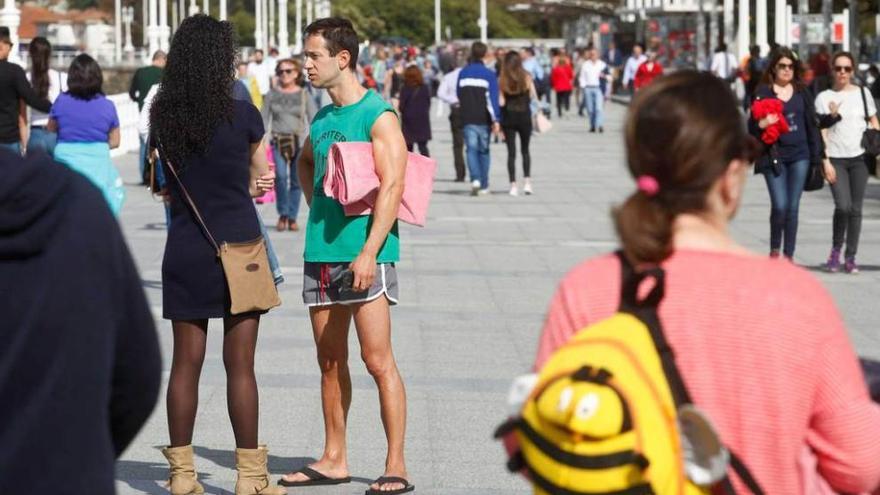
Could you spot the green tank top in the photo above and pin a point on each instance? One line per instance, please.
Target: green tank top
(332, 237)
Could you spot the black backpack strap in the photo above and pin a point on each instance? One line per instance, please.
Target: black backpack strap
(646, 310)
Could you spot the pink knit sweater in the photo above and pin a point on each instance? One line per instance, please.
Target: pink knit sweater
(763, 350)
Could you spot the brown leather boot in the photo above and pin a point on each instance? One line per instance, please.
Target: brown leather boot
(253, 476)
(183, 479)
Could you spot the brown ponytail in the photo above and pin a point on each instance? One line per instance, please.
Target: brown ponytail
(682, 131)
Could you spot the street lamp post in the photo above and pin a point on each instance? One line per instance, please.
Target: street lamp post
(484, 23)
(164, 30)
(437, 22)
(258, 24)
(283, 35)
(153, 28)
(299, 27)
(271, 19)
(761, 23)
(743, 34)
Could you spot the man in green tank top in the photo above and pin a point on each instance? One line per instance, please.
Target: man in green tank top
(349, 269)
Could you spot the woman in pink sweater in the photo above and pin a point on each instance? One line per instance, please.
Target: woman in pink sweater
(760, 343)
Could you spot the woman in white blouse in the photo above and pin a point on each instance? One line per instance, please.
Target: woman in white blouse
(853, 110)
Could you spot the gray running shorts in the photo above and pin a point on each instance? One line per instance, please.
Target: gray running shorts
(322, 284)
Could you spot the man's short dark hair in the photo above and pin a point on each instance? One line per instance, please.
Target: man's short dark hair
(5, 37)
(159, 55)
(529, 50)
(338, 34)
(84, 78)
(478, 51)
(258, 50)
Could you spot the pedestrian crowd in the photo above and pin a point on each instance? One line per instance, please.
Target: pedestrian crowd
(760, 348)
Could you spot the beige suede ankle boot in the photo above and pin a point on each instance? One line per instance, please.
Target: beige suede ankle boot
(253, 475)
(183, 479)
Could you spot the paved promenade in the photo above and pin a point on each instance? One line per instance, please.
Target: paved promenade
(475, 284)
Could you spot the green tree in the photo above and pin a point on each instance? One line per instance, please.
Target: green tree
(414, 19)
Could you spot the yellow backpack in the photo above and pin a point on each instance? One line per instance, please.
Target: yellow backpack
(603, 414)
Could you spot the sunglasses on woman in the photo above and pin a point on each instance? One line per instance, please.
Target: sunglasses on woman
(785, 66)
(283, 71)
(843, 68)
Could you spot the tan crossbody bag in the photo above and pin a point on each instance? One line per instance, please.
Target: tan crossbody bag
(245, 264)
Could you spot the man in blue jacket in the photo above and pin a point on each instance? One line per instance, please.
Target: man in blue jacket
(480, 115)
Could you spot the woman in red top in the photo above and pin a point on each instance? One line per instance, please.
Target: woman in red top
(562, 80)
(648, 71)
(759, 342)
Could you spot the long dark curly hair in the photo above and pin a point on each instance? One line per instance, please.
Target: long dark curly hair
(195, 95)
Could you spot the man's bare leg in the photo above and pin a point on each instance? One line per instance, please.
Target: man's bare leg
(330, 326)
(373, 323)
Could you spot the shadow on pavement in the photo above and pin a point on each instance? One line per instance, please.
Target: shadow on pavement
(150, 477)
(862, 268)
(278, 465)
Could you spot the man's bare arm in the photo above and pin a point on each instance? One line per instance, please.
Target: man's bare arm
(305, 171)
(389, 155)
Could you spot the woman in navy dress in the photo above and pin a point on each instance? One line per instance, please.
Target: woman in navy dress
(214, 144)
(415, 110)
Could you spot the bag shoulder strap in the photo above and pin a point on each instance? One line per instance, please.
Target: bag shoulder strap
(864, 103)
(646, 310)
(193, 207)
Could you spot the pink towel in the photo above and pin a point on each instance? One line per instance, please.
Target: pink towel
(351, 179)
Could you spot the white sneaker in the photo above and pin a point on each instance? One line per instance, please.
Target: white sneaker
(527, 188)
(513, 190)
(475, 187)
(484, 192)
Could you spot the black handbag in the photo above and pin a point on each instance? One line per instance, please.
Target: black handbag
(871, 136)
(815, 177)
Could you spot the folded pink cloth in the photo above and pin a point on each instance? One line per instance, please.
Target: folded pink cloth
(351, 179)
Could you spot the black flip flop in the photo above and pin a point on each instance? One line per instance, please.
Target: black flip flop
(315, 479)
(391, 479)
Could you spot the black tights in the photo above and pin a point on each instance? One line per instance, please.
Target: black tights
(242, 400)
(523, 127)
(423, 147)
(563, 100)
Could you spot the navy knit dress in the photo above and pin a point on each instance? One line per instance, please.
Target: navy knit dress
(193, 284)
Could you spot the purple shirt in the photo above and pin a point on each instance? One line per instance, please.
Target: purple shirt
(84, 121)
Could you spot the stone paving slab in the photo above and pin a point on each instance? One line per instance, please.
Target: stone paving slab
(475, 284)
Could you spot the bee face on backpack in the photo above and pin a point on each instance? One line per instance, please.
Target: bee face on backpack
(582, 408)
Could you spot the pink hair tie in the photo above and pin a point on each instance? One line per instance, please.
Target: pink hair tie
(648, 185)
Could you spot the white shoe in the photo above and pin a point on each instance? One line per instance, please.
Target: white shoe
(513, 190)
(484, 192)
(475, 187)
(527, 188)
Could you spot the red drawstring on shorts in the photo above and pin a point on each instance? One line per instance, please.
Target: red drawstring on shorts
(324, 281)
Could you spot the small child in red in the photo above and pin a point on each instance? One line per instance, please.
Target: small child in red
(769, 106)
